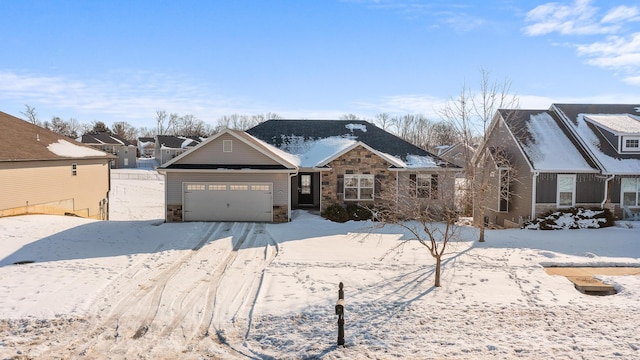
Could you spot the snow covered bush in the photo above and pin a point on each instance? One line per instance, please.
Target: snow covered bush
(337, 213)
(572, 218)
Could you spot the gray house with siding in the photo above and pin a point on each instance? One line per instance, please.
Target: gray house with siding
(124, 151)
(570, 155)
(280, 165)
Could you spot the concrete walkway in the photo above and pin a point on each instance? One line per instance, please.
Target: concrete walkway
(582, 277)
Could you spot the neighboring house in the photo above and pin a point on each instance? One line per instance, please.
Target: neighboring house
(124, 150)
(167, 147)
(42, 172)
(457, 154)
(146, 147)
(280, 165)
(569, 155)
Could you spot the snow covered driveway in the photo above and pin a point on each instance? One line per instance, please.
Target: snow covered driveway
(135, 287)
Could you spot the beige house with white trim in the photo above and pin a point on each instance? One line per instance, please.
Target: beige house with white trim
(42, 172)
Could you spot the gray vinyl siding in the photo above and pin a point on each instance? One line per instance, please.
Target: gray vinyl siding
(174, 182)
(589, 188)
(520, 189)
(241, 154)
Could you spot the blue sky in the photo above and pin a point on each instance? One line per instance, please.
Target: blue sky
(123, 60)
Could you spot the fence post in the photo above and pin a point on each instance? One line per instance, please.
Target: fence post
(340, 313)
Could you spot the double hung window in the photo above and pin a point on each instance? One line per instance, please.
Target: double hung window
(358, 187)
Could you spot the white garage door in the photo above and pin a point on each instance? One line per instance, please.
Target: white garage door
(214, 201)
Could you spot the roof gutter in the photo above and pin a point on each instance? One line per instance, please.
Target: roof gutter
(246, 171)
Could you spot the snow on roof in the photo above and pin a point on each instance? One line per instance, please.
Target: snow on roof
(551, 150)
(310, 153)
(67, 149)
(186, 143)
(610, 164)
(616, 123)
(361, 127)
(414, 162)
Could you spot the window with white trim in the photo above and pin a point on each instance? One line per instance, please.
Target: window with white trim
(259, 187)
(227, 145)
(426, 185)
(218, 187)
(358, 186)
(631, 144)
(630, 191)
(566, 195)
(126, 161)
(196, 187)
(239, 187)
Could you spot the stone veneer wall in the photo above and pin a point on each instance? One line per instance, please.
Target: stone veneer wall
(357, 161)
(174, 213)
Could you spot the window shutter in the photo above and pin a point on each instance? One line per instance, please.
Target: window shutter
(413, 185)
(434, 186)
(377, 185)
(340, 186)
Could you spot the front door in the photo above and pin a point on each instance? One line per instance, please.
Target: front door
(305, 189)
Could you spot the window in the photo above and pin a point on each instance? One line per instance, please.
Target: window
(504, 188)
(358, 187)
(426, 185)
(259, 187)
(227, 145)
(630, 191)
(218, 187)
(566, 190)
(126, 161)
(196, 187)
(74, 169)
(632, 144)
(239, 187)
(305, 184)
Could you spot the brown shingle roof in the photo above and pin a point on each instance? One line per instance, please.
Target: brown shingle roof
(23, 141)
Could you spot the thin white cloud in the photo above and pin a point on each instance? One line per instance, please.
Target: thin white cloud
(622, 13)
(121, 96)
(618, 51)
(579, 18)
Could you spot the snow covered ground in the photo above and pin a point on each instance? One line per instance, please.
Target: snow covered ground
(134, 287)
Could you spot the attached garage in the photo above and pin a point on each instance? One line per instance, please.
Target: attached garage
(227, 201)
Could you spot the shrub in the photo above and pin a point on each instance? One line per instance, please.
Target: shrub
(357, 212)
(335, 212)
(572, 218)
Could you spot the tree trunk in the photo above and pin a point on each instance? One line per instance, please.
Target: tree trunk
(481, 232)
(438, 264)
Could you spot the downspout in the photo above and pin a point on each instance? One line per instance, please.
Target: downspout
(606, 190)
(533, 194)
(291, 175)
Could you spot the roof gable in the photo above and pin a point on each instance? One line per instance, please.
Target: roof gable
(23, 141)
(245, 152)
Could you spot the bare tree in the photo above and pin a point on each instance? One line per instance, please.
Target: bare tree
(423, 207)
(383, 121)
(471, 115)
(124, 130)
(349, 117)
(161, 118)
(62, 127)
(31, 115)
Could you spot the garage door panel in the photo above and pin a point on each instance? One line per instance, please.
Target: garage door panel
(228, 202)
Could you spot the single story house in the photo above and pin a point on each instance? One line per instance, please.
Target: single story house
(167, 147)
(42, 172)
(280, 165)
(566, 156)
(114, 144)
